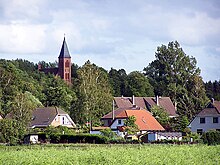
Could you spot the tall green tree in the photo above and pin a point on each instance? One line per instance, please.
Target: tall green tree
(94, 94)
(176, 75)
(138, 85)
(118, 80)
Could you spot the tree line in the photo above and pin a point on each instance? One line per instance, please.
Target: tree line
(173, 73)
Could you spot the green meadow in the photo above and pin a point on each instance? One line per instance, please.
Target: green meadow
(110, 154)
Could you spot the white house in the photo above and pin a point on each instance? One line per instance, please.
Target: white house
(144, 120)
(207, 119)
(51, 116)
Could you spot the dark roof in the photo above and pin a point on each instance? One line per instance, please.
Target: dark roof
(147, 103)
(64, 53)
(44, 116)
(211, 109)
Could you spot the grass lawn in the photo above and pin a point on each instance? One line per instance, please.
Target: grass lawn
(110, 154)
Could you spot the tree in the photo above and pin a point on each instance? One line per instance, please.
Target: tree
(9, 132)
(139, 85)
(161, 115)
(94, 94)
(175, 74)
(58, 93)
(131, 127)
(118, 80)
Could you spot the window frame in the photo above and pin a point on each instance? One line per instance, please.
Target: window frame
(215, 120)
(202, 120)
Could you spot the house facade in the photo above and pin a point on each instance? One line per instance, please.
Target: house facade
(50, 116)
(207, 119)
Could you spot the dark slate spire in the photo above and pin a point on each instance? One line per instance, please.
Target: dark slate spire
(64, 53)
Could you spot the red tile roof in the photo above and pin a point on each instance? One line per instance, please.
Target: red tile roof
(120, 112)
(147, 103)
(145, 121)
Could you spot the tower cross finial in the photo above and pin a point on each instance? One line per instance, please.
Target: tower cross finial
(64, 35)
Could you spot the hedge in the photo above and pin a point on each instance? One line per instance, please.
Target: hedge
(211, 137)
(79, 138)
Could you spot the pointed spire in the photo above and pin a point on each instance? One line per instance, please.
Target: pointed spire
(64, 53)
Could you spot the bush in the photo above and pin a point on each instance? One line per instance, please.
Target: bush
(211, 137)
(81, 138)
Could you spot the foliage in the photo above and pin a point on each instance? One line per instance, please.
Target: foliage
(181, 124)
(211, 137)
(94, 94)
(131, 127)
(213, 89)
(9, 132)
(161, 115)
(175, 74)
(119, 82)
(108, 133)
(78, 138)
(110, 154)
(138, 85)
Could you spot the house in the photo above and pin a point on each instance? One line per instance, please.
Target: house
(50, 116)
(147, 103)
(64, 64)
(144, 120)
(207, 119)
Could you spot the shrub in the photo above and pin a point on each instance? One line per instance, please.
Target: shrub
(211, 137)
(80, 138)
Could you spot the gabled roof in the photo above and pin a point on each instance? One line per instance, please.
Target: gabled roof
(145, 121)
(44, 116)
(211, 109)
(120, 112)
(64, 53)
(147, 103)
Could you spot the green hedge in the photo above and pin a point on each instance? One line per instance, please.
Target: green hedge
(80, 138)
(211, 137)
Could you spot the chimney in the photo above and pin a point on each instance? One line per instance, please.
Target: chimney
(133, 101)
(157, 100)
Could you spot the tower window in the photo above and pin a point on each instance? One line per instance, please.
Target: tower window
(67, 76)
(67, 64)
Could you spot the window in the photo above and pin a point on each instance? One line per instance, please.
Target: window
(215, 119)
(202, 120)
(119, 122)
(67, 64)
(63, 120)
(199, 131)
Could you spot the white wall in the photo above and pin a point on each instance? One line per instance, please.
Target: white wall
(115, 123)
(64, 120)
(208, 125)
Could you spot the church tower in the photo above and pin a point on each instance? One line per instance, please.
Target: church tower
(64, 66)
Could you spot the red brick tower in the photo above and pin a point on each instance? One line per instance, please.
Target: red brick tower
(64, 66)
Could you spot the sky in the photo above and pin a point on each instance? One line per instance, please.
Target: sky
(120, 34)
